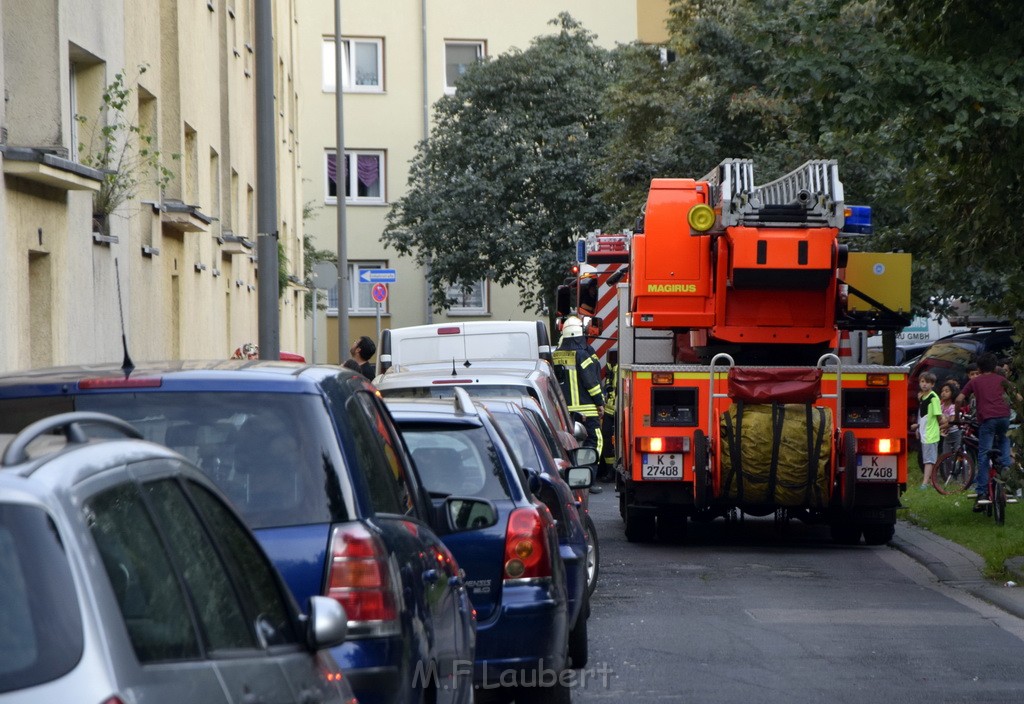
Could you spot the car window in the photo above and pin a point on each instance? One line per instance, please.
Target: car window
(379, 456)
(959, 353)
(268, 452)
(224, 625)
(547, 433)
(253, 577)
(145, 584)
(517, 437)
(456, 460)
(40, 623)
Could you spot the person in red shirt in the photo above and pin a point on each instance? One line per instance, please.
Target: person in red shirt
(990, 391)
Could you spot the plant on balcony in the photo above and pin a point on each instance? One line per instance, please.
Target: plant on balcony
(119, 147)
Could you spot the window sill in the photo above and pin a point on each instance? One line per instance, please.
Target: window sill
(333, 313)
(42, 166)
(180, 218)
(468, 313)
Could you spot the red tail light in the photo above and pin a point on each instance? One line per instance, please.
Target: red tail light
(526, 547)
(360, 579)
(878, 446)
(141, 382)
(113, 700)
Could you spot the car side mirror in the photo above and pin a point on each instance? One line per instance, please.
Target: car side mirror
(579, 431)
(532, 480)
(579, 477)
(469, 513)
(327, 623)
(583, 455)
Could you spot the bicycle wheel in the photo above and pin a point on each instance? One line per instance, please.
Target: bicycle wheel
(998, 502)
(953, 473)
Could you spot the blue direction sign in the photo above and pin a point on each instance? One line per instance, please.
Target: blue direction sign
(377, 276)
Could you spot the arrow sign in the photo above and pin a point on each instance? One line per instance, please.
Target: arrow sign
(377, 276)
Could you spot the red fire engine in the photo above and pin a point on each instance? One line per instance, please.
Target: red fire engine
(726, 307)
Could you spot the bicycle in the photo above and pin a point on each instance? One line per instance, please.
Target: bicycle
(996, 499)
(954, 471)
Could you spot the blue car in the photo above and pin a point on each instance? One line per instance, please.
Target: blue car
(530, 451)
(514, 571)
(312, 461)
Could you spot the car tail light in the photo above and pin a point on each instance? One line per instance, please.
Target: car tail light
(449, 330)
(663, 444)
(526, 547)
(113, 700)
(361, 580)
(878, 446)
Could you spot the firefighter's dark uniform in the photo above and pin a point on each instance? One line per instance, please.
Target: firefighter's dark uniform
(611, 377)
(579, 373)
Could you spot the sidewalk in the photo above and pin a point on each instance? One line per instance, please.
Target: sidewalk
(956, 566)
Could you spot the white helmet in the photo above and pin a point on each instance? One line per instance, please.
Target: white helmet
(572, 327)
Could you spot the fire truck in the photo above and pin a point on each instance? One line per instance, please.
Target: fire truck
(727, 307)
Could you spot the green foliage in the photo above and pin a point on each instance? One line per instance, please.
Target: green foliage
(120, 148)
(507, 180)
(311, 256)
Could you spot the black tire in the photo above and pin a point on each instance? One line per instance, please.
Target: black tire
(954, 472)
(556, 694)
(999, 503)
(879, 534)
(593, 554)
(701, 470)
(639, 526)
(849, 450)
(845, 532)
(579, 642)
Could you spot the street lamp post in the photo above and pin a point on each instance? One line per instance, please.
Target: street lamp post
(340, 175)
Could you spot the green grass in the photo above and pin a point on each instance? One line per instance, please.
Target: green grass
(952, 518)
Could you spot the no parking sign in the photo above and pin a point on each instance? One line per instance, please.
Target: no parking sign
(379, 292)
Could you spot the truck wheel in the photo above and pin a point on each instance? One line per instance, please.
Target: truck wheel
(701, 470)
(879, 534)
(849, 449)
(639, 526)
(845, 532)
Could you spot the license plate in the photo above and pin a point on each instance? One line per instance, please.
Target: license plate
(661, 466)
(876, 468)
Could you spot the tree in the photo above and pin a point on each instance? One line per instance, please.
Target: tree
(507, 180)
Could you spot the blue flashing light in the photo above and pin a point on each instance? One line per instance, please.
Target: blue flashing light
(858, 220)
(581, 251)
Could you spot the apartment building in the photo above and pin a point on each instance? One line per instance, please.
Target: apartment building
(399, 57)
(173, 264)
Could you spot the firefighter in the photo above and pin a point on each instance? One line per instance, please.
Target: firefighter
(606, 470)
(579, 373)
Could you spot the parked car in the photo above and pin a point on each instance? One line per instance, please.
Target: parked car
(126, 577)
(906, 352)
(508, 382)
(444, 345)
(516, 577)
(311, 459)
(579, 554)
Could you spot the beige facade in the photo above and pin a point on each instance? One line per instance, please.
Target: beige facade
(411, 44)
(181, 257)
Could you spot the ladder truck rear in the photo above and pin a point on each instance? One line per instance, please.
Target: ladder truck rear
(732, 398)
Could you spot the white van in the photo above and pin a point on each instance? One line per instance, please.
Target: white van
(474, 342)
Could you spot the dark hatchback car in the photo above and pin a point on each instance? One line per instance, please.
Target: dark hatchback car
(514, 571)
(125, 578)
(311, 459)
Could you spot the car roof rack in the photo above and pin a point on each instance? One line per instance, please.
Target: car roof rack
(464, 402)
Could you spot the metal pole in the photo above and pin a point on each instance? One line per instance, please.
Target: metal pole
(316, 299)
(428, 311)
(340, 181)
(378, 320)
(266, 186)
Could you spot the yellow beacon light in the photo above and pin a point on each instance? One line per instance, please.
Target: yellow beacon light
(701, 217)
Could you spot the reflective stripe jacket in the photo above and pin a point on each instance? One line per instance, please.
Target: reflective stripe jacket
(611, 380)
(579, 372)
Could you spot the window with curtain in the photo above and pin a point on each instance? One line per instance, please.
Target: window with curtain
(458, 57)
(363, 177)
(361, 62)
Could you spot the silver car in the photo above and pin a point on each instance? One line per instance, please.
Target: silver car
(125, 578)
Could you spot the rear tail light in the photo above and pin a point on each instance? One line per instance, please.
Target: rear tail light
(360, 579)
(117, 382)
(526, 547)
(662, 378)
(450, 330)
(663, 444)
(113, 700)
(878, 446)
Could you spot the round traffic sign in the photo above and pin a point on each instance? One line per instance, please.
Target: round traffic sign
(379, 292)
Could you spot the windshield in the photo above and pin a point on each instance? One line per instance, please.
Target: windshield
(274, 455)
(954, 353)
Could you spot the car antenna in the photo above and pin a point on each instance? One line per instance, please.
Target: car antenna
(454, 371)
(127, 366)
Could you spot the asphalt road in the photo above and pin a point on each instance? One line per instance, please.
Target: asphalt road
(740, 614)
